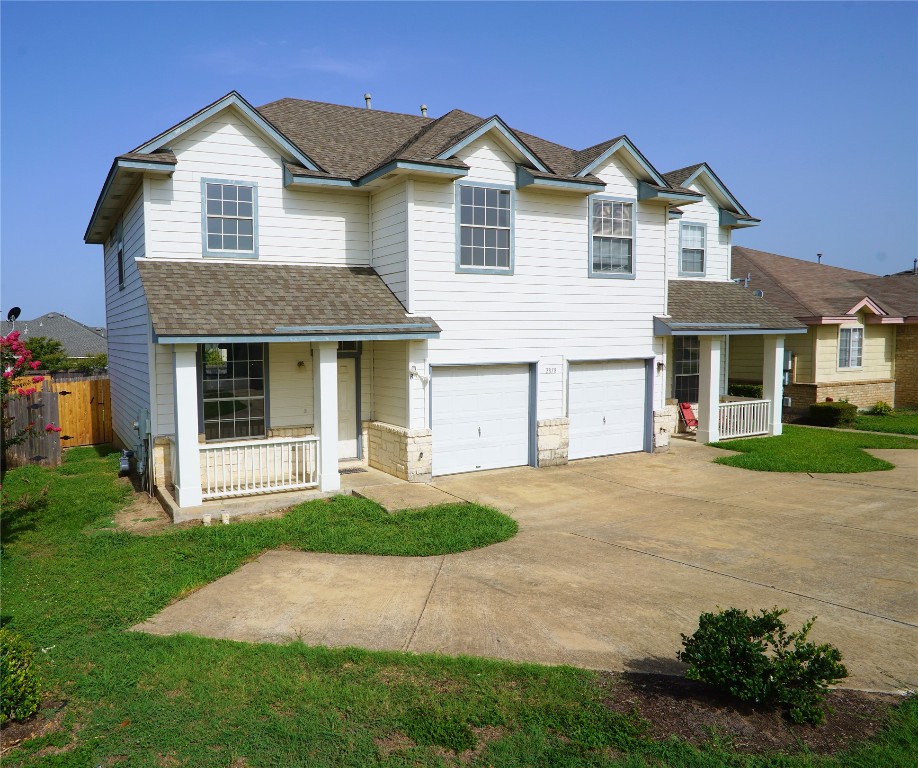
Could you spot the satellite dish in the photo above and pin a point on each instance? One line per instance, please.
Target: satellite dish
(759, 293)
(13, 314)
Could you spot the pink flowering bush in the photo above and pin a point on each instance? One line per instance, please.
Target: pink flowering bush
(17, 364)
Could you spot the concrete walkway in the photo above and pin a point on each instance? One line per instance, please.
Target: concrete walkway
(614, 558)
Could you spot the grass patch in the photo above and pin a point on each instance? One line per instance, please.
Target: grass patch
(804, 449)
(903, 421)
(72, 585)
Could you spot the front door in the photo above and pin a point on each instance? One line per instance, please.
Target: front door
(347, 408)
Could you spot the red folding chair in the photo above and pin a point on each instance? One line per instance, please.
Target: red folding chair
(688, 417)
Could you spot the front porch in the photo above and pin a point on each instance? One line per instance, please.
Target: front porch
(286, 417)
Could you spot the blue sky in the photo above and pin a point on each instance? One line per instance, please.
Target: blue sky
(807, 111)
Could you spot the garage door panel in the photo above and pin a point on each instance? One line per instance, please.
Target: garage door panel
(606, 407)
(480, 418)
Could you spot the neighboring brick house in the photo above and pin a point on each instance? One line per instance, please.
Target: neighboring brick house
(862, 338)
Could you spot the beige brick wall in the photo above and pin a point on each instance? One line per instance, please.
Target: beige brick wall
(906, 365)
(553, 440)
(404, 453)
(864, 394)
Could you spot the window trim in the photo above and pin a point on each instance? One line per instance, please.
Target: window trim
(267, 396)
(707, 249)
(253, 254)
(841, 367)
(460, 269)
(612, 275)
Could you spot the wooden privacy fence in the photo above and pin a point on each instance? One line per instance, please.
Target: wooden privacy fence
(80, 406)
(85, 409)
(39, 408)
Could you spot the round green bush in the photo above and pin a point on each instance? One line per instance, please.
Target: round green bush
(20, 687)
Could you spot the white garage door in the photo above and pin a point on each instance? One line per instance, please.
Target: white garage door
(606, 403)
(480, 417)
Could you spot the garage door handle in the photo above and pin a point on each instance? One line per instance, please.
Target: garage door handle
(479, 431)
(604, 420)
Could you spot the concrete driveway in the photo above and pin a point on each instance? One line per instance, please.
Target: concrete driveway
(614, 558)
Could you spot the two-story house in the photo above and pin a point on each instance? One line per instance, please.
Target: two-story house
(304, 283)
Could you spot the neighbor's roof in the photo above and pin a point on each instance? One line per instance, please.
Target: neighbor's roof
(228, 299)
(705, 306)
(807, 288)
(898, 293)
(78, 340)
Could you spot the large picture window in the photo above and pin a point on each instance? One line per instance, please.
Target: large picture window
(229, 218)
(850, 347)
(694, 243)
(686, 368)
(484, 228)
(233, 390)
(613, 238)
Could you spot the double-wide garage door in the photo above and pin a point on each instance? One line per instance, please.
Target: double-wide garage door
(481, 417)
(607, 407)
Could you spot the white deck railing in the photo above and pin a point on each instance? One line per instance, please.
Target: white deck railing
(246, 467)
(743, 418)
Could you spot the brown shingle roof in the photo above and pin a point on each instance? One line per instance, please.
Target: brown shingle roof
(678, 176)
(221, 299)
(165, 156)
(898, 294)
(802, 288)
(722, 306)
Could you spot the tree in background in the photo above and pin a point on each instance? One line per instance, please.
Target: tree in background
(50, 351)
(90, 364)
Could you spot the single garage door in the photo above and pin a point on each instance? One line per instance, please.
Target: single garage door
(480, 417)
(606, 402)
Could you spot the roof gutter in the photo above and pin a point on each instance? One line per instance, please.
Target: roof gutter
(650, 193)
(525, 179)
(291, 181)
(662, 327)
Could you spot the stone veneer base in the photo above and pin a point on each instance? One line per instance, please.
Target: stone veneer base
(404, 453)
(552, 441)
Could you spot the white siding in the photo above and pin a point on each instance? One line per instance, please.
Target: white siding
(717, 256)
(294, 226)
(128, 327)
(549, 310)
(390, 377)
(290, 387)
(390, 239)
(165, 390)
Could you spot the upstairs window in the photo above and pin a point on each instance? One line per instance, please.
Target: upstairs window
(612, 246)
(230, 220)
(693, 244)
(850, 347)
(485, 229)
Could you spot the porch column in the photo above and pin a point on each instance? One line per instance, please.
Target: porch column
(773, 381)
(325, 392)
(187, 462)
(709, 389)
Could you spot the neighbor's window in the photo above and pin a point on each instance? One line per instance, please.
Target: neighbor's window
(613, 238)
(230, 217)
(233, 390)
(693, 249)
(850, 347)
(484, 228)
(686, 356)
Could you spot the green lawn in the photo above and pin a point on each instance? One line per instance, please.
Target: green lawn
(72, 585)
(902, 420)
(805, 449)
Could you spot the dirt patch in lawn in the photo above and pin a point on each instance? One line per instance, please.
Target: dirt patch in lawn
(43, 723)
(698, 714)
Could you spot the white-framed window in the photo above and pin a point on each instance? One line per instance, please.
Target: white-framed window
(692, 248)
(850, 347)
(485, 229)
(686, 368)
(233, 390)
(611, 238)
(230, 218)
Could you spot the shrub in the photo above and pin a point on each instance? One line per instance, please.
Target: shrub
(833, 414)
(20, 687)
(746, 390)
(755, 659)
(882, 408)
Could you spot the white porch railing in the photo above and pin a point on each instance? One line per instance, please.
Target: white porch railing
(742, 418)
(246, 467)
